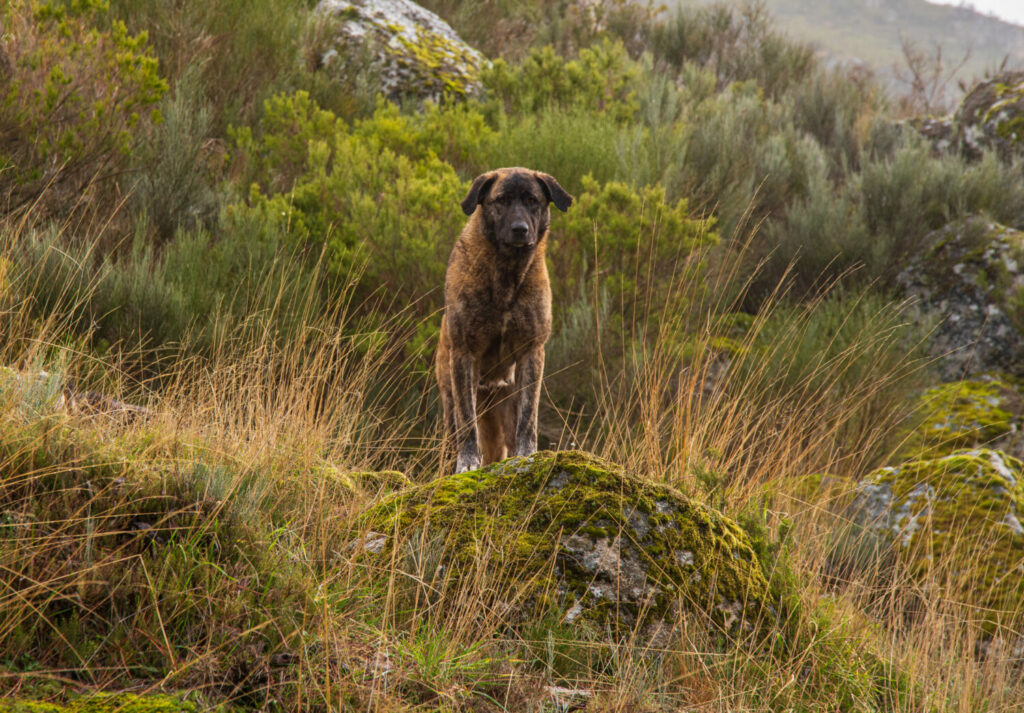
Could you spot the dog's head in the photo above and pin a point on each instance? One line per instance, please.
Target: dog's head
(514, 205)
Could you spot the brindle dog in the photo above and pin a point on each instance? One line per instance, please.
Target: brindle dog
(497, 316)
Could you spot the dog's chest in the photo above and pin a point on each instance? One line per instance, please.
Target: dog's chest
(498, 361)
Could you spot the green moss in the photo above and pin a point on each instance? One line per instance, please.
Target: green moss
(104, 703)
(956, 521)
(963, 414)
(582, 513)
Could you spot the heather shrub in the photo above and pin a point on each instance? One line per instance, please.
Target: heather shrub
(836, 107)
(176, 165)
(737, 44)
(912, 192)
(865, 229)
(244, 50)
(744, 158)
(71, 102)
(511, 28)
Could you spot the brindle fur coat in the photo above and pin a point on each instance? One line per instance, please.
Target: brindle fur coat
(497, 316)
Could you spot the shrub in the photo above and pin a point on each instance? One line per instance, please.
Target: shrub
(567, 144)
(356, 196)
(912, 192)
(177, 164)
(745, 160)
(71, 102)
(188, 296)
(508, 29)
(244, 49)
(865, 228)
(736, 44)
(836, 107)
(600, 79)
(626, 266)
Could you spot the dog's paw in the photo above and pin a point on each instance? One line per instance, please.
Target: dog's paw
(466, 462)
(525, 448)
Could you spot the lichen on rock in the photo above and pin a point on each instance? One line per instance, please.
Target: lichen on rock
(956, 522)
(596, 542)
(971, 280)
(991, 116)
(410, 51)
(984, 411)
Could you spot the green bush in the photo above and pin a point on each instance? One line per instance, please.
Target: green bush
(244, 50)
(566, 144)
(176, 165)
(600, 79)
(384, 218)
(626, 265)
(70, 103)
(867, 227)
(737, 44)
(836, 107)
(745, 160)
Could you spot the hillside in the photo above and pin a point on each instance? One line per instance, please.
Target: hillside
(870, 31)
(779, 465)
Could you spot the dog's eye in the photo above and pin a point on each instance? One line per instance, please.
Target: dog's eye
(529, 200)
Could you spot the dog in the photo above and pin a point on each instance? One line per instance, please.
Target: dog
(497, 316)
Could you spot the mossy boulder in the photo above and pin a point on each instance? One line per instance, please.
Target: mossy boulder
(104, 703)
(956, 523)
(991, 116)
(985, 411)
(406, 51)
(970, 281)
(592, 541)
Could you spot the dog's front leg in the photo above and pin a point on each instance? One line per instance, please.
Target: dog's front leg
(465, 379)
(529, 371)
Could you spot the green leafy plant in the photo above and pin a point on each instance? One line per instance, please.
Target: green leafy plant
(72, 101)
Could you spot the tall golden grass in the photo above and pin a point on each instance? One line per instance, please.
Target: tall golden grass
(209, 548)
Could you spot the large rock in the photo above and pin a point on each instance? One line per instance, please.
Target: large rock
(984, 411)
(577, 535)
(971, 281)
(990, 117)
(409, 51)
(956, 523)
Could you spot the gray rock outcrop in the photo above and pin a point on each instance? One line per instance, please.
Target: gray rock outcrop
(406, 50)
(970, 282)
(990, 117)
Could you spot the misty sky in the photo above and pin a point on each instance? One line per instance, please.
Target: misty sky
(1010, 10)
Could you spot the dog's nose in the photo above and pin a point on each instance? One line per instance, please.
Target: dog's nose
(520, 229)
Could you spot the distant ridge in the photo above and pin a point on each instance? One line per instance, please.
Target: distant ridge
(869, 31)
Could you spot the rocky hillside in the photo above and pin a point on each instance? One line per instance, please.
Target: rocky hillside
(871, 31)
(782, 461)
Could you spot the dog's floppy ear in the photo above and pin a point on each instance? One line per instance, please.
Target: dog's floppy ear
(554, 192)
(478, 191)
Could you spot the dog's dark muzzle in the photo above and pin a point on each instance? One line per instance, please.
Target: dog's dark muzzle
(519, 235)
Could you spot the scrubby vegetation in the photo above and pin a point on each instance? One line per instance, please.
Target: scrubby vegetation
(198, 220)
